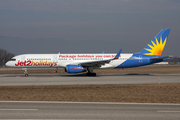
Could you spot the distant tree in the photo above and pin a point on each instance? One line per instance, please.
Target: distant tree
(4, 57)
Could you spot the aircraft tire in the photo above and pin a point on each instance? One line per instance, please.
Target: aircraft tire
(91, 74)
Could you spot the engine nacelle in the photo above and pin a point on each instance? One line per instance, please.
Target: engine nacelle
(75, 69)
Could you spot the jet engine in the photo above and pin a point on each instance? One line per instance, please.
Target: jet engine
(75, 69)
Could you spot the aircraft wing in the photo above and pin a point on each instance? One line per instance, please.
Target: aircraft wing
(160, 58)
(95, 63)
(99, 62)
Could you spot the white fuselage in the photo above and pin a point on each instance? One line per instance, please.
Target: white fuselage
(61, 60)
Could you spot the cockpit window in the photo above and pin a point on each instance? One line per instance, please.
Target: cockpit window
(12, 59)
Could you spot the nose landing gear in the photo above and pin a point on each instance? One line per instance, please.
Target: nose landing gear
(25, 73)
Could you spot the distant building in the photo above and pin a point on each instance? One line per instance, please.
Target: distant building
(174, 60)
(162, 63)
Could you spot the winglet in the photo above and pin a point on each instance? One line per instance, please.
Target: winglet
(118, 55)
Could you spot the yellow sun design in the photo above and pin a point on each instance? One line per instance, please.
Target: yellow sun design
(157, 48)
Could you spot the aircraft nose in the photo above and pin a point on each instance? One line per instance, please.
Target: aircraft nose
(7, 64)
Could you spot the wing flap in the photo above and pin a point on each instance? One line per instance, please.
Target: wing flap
(95, 63)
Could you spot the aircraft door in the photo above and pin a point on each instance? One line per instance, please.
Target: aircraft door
(140, 59)
(23, 58)
(55, 58)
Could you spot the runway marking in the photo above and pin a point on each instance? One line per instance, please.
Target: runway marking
(17, 109)
(60, 102)
(169, 111)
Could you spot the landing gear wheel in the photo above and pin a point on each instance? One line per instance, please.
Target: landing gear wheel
(88, 74)
(25, 73)
(91, 74)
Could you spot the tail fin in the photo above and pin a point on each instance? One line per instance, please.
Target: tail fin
(156, 46)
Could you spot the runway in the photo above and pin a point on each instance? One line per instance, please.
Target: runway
(64, 79)
(73, 110)
(86, 110)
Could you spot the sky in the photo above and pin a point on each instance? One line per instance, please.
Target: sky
(87, 26)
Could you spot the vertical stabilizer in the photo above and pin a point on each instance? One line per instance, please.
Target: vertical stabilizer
(156, 46)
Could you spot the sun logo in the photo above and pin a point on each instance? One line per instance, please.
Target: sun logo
(156, 48)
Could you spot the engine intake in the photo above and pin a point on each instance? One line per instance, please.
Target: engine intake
(75, 69)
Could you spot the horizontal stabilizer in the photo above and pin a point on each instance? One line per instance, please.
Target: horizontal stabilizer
(160, 58)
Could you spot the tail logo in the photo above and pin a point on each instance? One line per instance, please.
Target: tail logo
(155, 48)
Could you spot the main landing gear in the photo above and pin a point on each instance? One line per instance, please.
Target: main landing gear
(90, 72)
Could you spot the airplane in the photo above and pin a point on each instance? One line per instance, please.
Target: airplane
(78, 63)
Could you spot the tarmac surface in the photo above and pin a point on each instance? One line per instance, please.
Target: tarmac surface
(83, 110)
(81, 79)
(89, 110)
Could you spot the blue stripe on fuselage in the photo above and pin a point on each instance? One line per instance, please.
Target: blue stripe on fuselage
(139, 60)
